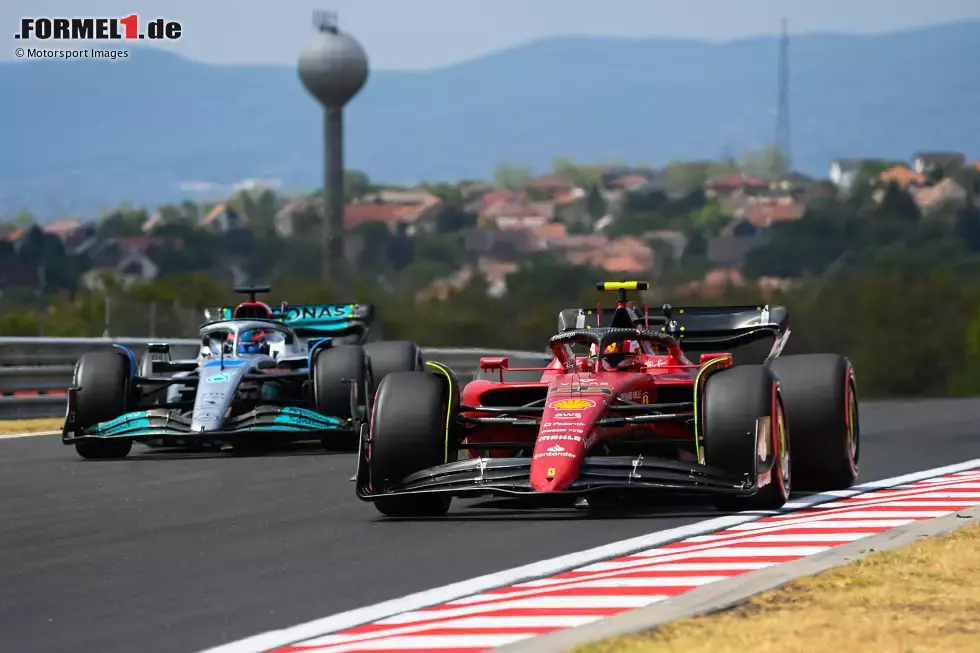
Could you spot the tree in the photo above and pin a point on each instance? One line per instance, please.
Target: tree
(898, 205)
(24, 219)
(580, 176)
(595, 203)
(377, 242)
(450, 194)
(767, 163)
(356, 185)
(967, 225)
(512, 176)
(259, 208)
(122, 221)
(688, 175)
(190, 211)
(710, 219)
(453, 218)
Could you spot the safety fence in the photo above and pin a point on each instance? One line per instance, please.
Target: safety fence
(36, 372)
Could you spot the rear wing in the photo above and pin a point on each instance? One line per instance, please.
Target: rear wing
(316, 320)
(698, 328)
(327, 320)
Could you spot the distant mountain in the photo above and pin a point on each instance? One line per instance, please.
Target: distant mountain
(84, 134)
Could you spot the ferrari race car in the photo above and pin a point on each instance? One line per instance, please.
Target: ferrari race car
(621, 410)
(261, 377)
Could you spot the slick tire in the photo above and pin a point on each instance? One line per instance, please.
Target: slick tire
(102, 379)
(392, 356)
(734, 400)
(408, 434)
(341, 377)
(820, 396)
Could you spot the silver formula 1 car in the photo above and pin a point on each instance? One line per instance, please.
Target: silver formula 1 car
(261, 377)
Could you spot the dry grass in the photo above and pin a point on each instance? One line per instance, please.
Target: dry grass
(922, 598)
(15, 426)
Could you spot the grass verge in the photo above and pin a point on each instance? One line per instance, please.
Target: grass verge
(922, 598)
(15, 426)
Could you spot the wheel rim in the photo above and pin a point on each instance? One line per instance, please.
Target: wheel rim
(784, 453)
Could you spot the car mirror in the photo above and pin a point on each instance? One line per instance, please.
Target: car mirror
(494, 363)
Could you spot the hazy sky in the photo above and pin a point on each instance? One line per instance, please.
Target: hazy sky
(428, 33)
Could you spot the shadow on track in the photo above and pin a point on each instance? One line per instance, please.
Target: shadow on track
(149, 454)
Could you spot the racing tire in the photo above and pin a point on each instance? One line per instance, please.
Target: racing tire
(820, 395)
(341, 377)
(734, 400)
(407, 435)
(102, 379)
(392, 356)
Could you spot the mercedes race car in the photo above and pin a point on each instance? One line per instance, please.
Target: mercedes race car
(620, 411)
(261, 377)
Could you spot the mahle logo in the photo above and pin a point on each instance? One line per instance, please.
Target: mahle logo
(127, 28)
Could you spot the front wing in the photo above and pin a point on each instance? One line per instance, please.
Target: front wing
(511, 477)
(167, 427)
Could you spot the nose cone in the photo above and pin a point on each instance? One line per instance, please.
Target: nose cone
(560, 446)
(556, 464)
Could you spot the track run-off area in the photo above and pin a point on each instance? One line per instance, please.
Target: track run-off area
(179, 553)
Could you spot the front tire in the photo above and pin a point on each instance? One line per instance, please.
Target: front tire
(735, 399)
(408, 434)
(102, 379)
(821, 400)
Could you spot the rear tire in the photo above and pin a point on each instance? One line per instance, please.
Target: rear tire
(102, 379)
(337, 373)
(392, 356)
(734, 399)
(408, 434)
(820, 395)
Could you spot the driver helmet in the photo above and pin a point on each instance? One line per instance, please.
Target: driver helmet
(251, 341)
(618, 355)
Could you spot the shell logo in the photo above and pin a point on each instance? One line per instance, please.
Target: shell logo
(572, 404)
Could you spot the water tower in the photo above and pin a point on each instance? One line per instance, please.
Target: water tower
(333, 68)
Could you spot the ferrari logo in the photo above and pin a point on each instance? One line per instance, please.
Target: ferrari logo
(551, 471)
(572, 404)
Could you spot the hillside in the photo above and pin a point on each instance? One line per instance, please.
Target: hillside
(88, 133)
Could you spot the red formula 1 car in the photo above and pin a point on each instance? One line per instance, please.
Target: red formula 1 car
(621, 409)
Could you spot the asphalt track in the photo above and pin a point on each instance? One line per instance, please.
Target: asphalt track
(182, 553)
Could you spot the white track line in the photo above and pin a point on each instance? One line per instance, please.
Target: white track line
(322, 627)
(14, 436)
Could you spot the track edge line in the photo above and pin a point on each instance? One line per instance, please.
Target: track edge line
(727, 594)
(263, 642)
